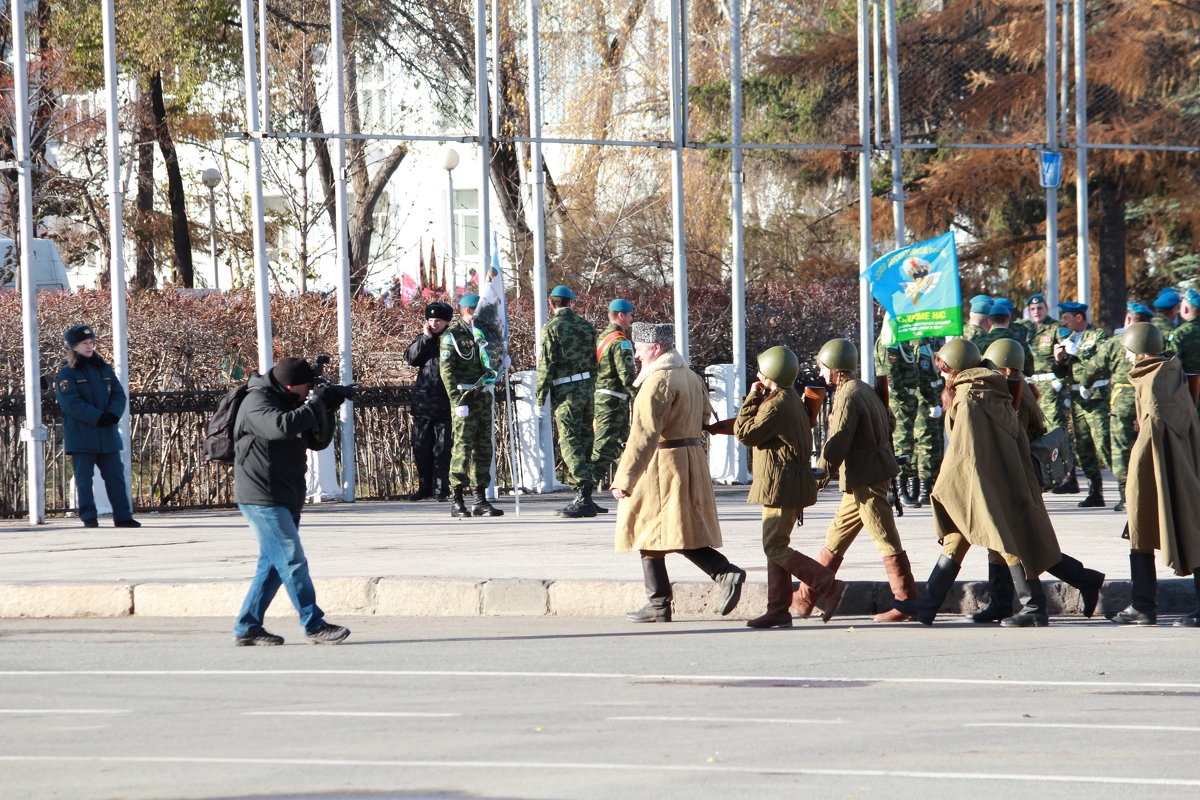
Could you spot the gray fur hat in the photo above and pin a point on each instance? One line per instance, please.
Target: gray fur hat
(649, 333)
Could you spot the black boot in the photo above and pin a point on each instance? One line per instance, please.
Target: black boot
(1087, 581)
(422, 493)
(907, 500)
(457, 507)
(1069, 486)
(1192, 619)
(727, 576)
(1120, 506)
(1032, 594)
(658, 592)
(1095, 495)
(924, 609)
(926, 488)
(481, 507)
(581, 506)
(1000, 595)
(592, 502)
(1144, 608)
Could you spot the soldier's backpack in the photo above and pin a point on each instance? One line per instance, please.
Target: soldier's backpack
(218, 437)
(1051, 454)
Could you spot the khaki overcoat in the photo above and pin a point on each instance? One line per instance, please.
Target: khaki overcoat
(859, 447)
(986, 489)
(776, 428)
(671, 504)
(1162, 491)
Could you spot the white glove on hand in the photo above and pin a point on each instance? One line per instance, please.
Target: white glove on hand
(462, 412)
(1085, 393)
(1056, 386)
(935, 412)
(1071, 346)
(539, 412)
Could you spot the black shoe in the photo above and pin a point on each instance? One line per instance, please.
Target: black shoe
(1120, 506)
(1069, 486)
(658, 593)
(442, 497)
(649, 613)
(330, 634)
(457, 507)
(1143, 608)
(731, 589)
(1089, 582)
(1095, 496)
(419, 494)
(1192, 620)
(481, 507)
(91, 523)
(1000, 596)
(258, 638)
(581, 506)
(127, 523)
(926, 488)
(1131, 616)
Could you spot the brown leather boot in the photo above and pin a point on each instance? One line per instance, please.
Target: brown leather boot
(779, 594)
(900, 579)
(803, 599)
(821, 584)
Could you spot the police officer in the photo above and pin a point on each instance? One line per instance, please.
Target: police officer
(566, 376)
(1185, 339)
(980, 322)
(1074, 344)
(430, 407)
(1166, 312)
(1001, 319)
(468, 377)
(914, 395)
(92, 402)
(616, 370)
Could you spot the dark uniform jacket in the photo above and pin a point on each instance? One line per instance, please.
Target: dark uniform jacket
(84, 393)
(429, 395)
(273, 430)
(860, 438)
(776, 427)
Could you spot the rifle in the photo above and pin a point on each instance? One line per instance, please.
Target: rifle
(1194, 387)
(1015, 387)
(881, 388)
(814, 398)
(894, 489)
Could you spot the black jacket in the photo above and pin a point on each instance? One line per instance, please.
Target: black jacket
(429, 395)
(274, 429)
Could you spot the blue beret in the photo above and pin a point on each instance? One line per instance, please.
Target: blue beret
(1037, 298)
(1140, 308)
(468, 301)
(1167, 298)
(562, 291)
(1002, 308)
(1073, 308)
(1193, 298)
(620, 306)
(981, 304)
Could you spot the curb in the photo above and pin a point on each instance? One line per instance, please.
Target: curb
(521, 597)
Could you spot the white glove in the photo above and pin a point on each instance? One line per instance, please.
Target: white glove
(1071, 346)
(1085, 393)
(935, 412)
(539, 412)
(1056, 386)
(462, 412)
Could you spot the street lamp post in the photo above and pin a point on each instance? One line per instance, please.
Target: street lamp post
(449, 162)
(212, 178)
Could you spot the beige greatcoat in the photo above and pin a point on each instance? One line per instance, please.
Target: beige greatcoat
(986, 489)
(671, 504)
(1162, 491)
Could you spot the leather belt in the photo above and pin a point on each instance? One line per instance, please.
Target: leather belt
(611, 393)
(670, 444)
(579, 376)
(1094, 386)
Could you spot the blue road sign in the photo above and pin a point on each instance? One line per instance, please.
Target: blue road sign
(1050, 168)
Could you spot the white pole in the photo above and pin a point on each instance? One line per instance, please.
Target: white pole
(342, 244)
(866, 308)
(495, 67)
(1064, 82)
(485, 173)
(1082, 244)
(212, 235)
(116, 236)
(34, 433)
(877, 73)
(678, 255)
(451, 271)
(897, 134)
(262, 289)
(264, 66)
(737, 178)
(538, 218)
(1052, 277)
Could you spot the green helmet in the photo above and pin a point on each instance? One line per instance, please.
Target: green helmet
(1006, 354)
(960, 354)
(779, 364)
(1143, 338)
(839, 354)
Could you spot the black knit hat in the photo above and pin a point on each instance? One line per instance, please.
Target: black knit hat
(292, 371)
(439, 311)
(77, 334)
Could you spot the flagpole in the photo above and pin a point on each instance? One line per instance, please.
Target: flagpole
(508, 401)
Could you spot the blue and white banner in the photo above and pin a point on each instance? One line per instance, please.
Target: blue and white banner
(918, 287)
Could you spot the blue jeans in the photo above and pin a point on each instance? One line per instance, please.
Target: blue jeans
(281, 562)
(113, 473)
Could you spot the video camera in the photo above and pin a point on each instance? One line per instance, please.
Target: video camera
(319, 379)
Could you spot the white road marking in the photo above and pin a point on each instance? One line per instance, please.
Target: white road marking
(605, 767)
(65, 711)
(1099, 726)
(764, 720)
(347, 714)
(419, 673)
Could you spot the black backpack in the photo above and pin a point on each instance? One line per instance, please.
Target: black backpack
(218, 438)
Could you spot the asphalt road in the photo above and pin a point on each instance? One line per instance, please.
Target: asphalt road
(598, 708)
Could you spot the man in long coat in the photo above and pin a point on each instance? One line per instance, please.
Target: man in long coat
(663, 487)
(1163, 489)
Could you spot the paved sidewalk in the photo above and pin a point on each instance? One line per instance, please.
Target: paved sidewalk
(413, 558)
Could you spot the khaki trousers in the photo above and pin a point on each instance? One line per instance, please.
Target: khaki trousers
(955, 547)
(777, 524)
(864, 506)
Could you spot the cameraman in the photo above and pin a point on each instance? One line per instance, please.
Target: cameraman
(282, 416)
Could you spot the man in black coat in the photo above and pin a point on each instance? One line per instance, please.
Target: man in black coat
(430, 408)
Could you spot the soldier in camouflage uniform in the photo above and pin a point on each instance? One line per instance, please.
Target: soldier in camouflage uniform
(1185, 340)
(1166, 312)
(1001, 318)
(616, 370)
(566, 376)
(1053, 394)
(468, 377)
(914, 394)
(1074, 345)
(981, 306)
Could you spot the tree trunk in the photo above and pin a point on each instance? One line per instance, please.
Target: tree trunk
(181, 236)
(143, 217)
(1110, 311)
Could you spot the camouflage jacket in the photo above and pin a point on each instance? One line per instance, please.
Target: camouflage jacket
(1042, 346)
(464, 361)
(996, 334)
(1089, 342)
(568, 349)
(1108, 362)
(971, 331)
(1185, 341)
(615, 367)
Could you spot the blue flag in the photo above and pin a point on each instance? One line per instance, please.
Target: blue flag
(918, 287)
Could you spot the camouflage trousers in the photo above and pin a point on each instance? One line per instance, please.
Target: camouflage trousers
(573, 411)
(1121, 415)
(471, 452)
(1089, 432)
(917, 435)
(1054, 405)
(611, 430)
